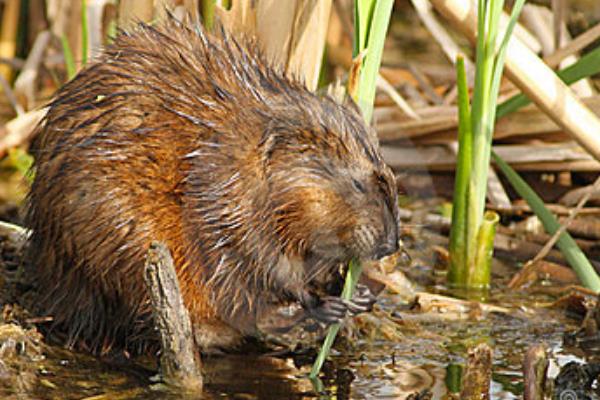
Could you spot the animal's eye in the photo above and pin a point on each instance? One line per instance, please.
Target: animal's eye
(382, 182)
(359, 186)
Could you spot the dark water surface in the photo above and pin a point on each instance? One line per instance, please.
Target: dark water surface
(367, 368)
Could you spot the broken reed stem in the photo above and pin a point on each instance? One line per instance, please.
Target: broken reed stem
(535, 367)
(479, 276)
(477, 378)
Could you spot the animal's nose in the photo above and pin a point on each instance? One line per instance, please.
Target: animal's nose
(389, 245)
(389, 240)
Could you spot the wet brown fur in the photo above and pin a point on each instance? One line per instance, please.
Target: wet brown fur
(195, 140)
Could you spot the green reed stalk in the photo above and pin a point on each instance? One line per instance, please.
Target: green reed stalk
(68, 55)
(373, 38)
(458, 230)
(66, 47)
(208, 13)
(354, 271)
(468, 266)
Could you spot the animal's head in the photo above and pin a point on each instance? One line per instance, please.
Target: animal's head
(332, 196)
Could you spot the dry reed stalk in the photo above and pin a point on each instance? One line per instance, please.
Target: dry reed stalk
(532, 42)
(131, 11)
(8, 35)
(241, 17)
(578, 44)
(540, 20)
(450, 47)
(292, 33)
(399, 76)
(74, 33)
(555, 157)
(10, 95)
(36, 19)
(535, 79)
(425, 85)
(162, 7)
(96, 10)
(572, 196)
(531, 17)
(25, 84)
(411, 129)
(180, 363)
(308, 41)
(19, 130)
(274, 25)
(559, 12)
(441, 35)
(438, 124)
(388, 89)
(65, 22)
(565, 224)
(58, 12)
(193, 8)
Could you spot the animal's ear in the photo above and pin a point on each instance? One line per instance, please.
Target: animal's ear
(272, 139)
(268, 143)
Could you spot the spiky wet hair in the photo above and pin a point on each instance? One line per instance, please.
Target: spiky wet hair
(196, 140)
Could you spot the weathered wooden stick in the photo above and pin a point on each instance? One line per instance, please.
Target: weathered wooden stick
(179, 361)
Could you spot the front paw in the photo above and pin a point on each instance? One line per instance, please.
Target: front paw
(333, 309)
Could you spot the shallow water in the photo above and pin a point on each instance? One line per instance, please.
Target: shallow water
(365, 369)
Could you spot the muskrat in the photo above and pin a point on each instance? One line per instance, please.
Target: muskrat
(260, 189)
